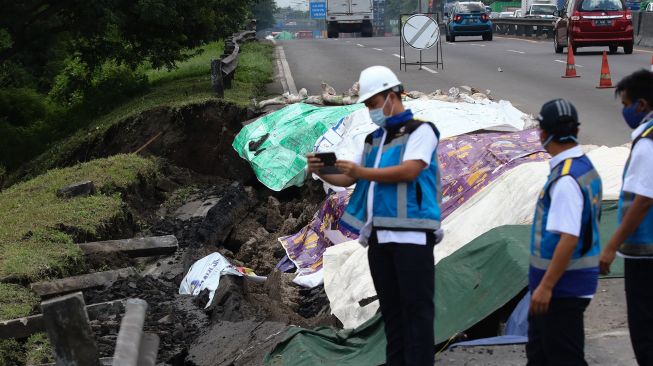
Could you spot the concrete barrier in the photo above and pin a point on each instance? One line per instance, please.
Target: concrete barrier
(644, 29)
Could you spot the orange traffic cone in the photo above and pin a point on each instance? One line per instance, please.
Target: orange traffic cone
(651, 63)
(606, 80)
(570, 71)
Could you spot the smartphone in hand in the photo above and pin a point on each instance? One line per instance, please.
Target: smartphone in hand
(329, 161)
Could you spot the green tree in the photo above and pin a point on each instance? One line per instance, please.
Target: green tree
(263, 11)
(127, 31)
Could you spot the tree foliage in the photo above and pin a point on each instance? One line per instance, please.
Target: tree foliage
(263, 11)
(65, 61)
(127, 31)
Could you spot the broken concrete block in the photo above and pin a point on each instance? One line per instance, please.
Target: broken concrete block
(230, 210)
(138, 247)
(78, 283)
(76, 190)
(25, 327)
(69, 331)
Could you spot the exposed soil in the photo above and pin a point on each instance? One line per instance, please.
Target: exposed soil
(210, 200)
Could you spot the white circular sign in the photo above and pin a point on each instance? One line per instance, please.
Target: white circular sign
(421, 32)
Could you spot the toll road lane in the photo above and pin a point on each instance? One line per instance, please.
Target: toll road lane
(525, 72)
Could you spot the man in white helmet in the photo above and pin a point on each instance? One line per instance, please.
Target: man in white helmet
(395, 209)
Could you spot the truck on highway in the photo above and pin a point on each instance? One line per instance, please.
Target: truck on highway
(349, 16)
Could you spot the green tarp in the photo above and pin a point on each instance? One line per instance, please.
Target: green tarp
(284, 36)
(276, 145)
(470, 285)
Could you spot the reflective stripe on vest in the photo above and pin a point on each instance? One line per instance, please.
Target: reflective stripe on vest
(400, 214)
(639, 243)
(589, 234)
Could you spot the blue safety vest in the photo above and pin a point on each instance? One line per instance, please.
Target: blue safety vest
(641, 242)
(581, 275)
(409, 206)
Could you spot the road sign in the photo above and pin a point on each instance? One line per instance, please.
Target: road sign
(421, 32)
(318, 10)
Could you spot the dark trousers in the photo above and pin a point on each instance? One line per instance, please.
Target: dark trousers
(638, 275)
(404, 279)
(557, 338)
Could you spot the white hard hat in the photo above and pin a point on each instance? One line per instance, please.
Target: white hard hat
(374, 80)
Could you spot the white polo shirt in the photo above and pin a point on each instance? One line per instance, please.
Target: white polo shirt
(566, 211)
(420, 146)
(639, 177)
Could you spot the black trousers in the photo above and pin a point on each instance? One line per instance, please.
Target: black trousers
(557, 338)
(404, 279)
(638, 274)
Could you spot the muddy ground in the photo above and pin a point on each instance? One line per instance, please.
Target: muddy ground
(210, 200)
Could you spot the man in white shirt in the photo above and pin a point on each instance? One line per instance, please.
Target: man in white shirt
(634, 236)
(563, 272)
(395, 209)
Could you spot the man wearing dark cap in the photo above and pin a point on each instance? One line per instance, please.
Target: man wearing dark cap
(563, 273)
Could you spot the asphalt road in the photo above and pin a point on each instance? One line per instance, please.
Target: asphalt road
(530, 74)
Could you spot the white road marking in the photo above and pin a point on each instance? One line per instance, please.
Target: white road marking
(518, 39)
(429, 70)
(378, 49)
(564, 62)
(397, 56)
(515, 51)
(638, 50)
(453, 44)
(292, 88)
(477, 45)
(359, 45)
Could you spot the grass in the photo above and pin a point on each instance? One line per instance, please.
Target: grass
(190, 83)
(32, 245)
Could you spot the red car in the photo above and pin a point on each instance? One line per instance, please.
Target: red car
(587, 23)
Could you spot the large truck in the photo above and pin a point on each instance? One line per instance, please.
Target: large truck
(349, 16)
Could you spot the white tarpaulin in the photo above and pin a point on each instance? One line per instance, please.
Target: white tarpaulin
(347, 137)
(206, 273)
(509, 200)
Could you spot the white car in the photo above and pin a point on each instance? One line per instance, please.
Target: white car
(518, 13)
(506, 14)
(649, 7)
(546, 11)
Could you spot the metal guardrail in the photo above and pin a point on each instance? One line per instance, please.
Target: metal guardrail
(529, 27)
(223, 69)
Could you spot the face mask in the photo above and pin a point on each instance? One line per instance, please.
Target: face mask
(632, 117)
(547, 142)
(378, 116)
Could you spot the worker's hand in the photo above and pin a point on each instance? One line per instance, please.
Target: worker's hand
(605, 260)
(314, 163)
(348, 168)
(540, 300)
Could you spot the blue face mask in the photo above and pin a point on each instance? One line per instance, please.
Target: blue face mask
(632, 117)
(378, 116)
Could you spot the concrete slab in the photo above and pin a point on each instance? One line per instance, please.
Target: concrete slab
(197, 208)
(606, 336)
(137, 247)
(78, 283)
(25, 327)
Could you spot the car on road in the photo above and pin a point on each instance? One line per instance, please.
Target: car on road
(649, 7)
(517, 14)
(588, 23)
(468, 19)
(507, 14)
(542, 11)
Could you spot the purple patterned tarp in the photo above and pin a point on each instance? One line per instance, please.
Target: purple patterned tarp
(468, 164)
